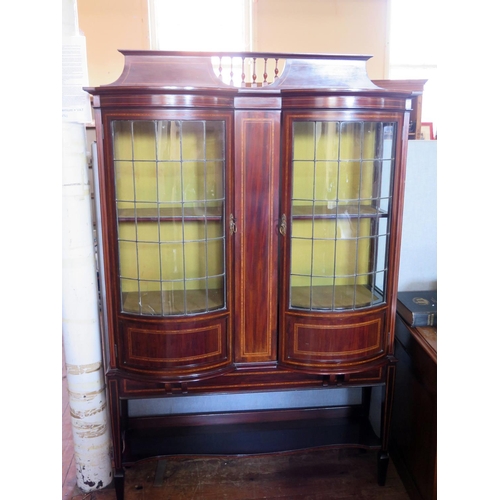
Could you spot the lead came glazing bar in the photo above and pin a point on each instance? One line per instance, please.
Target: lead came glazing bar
(157, 141)
(311, 287)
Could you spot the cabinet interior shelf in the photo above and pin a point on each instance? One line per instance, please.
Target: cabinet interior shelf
(174, 214)
(174, 302)
(336, 297)
(170, 214)
(336, 212)
(177, 302)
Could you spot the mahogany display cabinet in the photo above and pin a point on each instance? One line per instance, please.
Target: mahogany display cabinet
(249, 237)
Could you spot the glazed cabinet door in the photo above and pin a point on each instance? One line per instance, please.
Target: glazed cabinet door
(339, 170)
(167, 243)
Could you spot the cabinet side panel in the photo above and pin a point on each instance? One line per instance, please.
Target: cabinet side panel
(256, 185)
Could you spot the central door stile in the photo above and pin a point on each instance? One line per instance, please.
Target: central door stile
(257, 139)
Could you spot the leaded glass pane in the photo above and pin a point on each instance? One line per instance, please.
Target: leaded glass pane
(170, 201)
(341, 198)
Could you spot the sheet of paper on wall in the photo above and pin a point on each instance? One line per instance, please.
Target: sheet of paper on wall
(75, 102)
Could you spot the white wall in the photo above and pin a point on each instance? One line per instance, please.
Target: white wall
(418, 267)
(324, 26)
(336, 26)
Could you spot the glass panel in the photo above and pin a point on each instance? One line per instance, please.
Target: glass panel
(173, 298)
(350, 140)
(325, 182)
(385, 184)
(214, 143)
(169, 181)
(216, 293)
(127, 231)
(169, 140)
(192, 177)
(195, 258)
(365, 249)
(322, 293)
(148, 260)
(322, 257)
(193, 141)
(303, 181)
(148, 231)
(345, 260)
(380, 280)
(300, 292)
(144, 141)
(149, 297)
(129, 289)
(381, 250)
(303, 141)
(325, 228)
(170, 199)
(171, 229)
(124, 171)
(215, 265)
(327, 140)
(214, 180)
(172, 261)
(128, 260)
(341, 194)
(122, 140)
(215, 229)
(349, 181)
(301, 257)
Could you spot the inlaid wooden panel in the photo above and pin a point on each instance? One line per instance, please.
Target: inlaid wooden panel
(323, 341)
(175, 346)
(256, 187)
(270, 378)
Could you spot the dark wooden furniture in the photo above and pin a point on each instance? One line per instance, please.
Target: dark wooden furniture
(416, 87)
(250, 239)
(413, 441)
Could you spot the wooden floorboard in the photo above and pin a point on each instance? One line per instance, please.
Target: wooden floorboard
(345, 474)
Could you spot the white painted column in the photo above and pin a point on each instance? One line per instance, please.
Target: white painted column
(80, 308)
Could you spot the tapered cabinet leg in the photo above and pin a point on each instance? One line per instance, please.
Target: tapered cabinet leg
(382, 466)
(383, 454)
(120, 484)
(116, 409)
